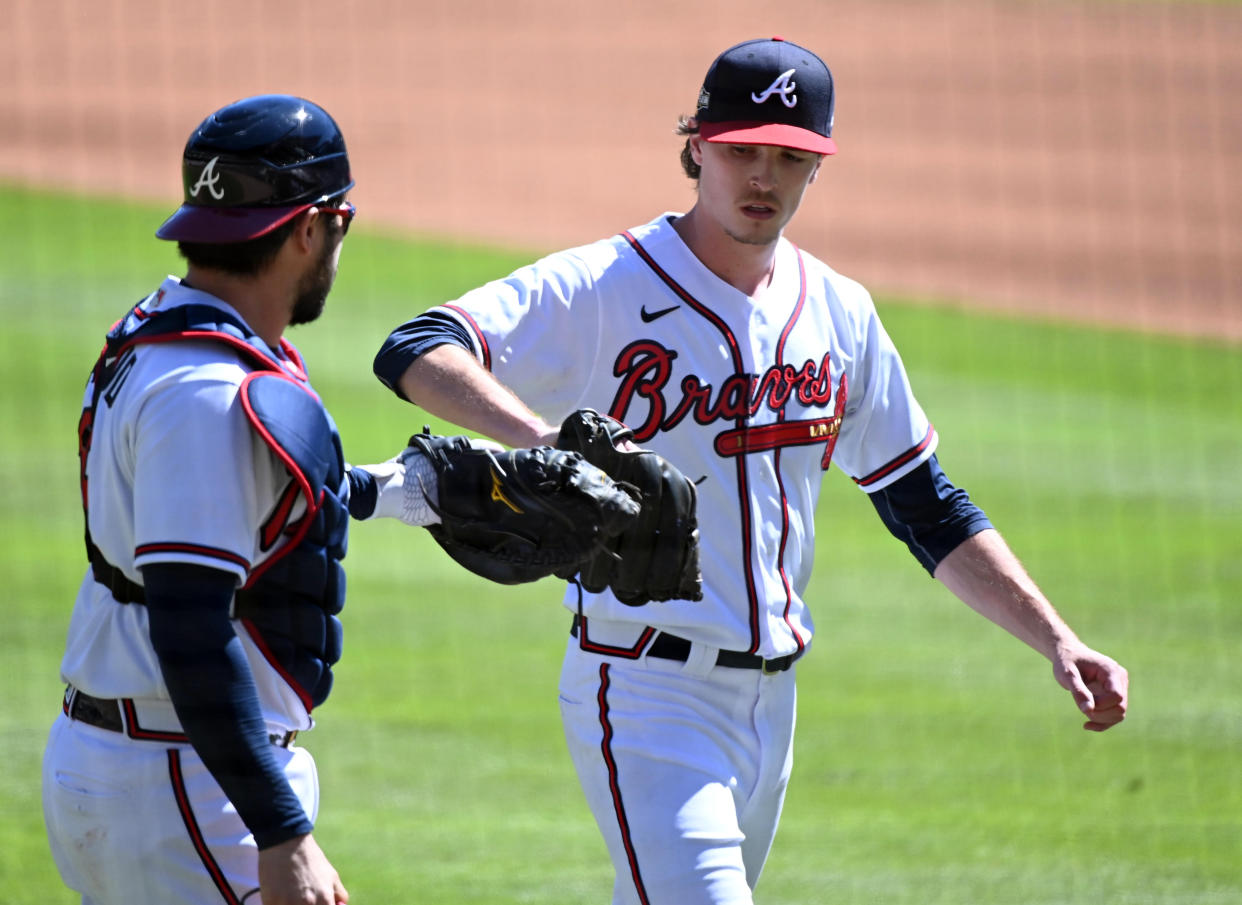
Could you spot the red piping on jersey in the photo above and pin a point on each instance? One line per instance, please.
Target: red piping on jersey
(906, 457)
(131, 727)
(478, 334)
(843, 390)
(196, 549)
(195, 833)
(614, 787)
(776, 459)
(274, 527)
(742, 484)
(629, 653)
(780, 556)
(133, 730)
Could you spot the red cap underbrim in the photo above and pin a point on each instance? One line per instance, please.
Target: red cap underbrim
(219, 225)
(759, 133)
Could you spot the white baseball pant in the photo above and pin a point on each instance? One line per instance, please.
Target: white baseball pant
(143, 822)
(684, 766)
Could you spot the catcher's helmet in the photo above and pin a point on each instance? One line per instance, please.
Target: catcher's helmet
(255, 164)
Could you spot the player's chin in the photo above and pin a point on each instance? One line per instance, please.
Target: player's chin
(307, 309)
(756, 233)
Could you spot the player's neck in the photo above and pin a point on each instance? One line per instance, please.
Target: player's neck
(747, 268)
(262, 305)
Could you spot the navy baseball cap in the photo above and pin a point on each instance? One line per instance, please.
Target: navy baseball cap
(255, 164)
(768, 92)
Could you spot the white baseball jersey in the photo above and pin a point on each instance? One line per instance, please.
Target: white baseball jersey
(175, 473)
(751, 396)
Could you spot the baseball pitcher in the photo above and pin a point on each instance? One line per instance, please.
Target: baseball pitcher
(711, 339)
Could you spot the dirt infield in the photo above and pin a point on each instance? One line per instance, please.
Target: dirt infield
(1083, 160)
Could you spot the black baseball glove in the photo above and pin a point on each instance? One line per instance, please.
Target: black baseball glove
(519, 515)
(656, 556)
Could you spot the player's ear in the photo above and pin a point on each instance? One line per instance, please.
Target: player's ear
(695, 143)
(305, 227)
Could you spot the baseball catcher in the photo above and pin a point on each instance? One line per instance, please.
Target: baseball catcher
(511, 516)
(655, 556)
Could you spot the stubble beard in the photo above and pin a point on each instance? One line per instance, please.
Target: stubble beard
(758, 235)
(313, 289)
(756, 239)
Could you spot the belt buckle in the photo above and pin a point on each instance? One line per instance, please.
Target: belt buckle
(282, 739)
(779, 664)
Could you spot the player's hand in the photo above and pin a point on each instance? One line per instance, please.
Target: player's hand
(405, 487)
(297, 872)
(1099, 684)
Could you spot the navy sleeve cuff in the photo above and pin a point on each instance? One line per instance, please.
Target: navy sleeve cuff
(363, 492)
(931, 516)
(415, 338)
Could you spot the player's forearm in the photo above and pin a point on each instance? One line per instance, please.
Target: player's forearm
(449, 383)
(984, 573)
(214, 693)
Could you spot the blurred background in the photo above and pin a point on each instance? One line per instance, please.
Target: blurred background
(1045, 198)
(1080, 159)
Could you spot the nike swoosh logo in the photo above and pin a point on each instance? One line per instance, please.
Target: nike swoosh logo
(649, 316)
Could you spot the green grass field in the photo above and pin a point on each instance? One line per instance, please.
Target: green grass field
(937, 761)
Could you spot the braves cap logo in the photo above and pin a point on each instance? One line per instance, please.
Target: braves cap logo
(209, 178)
(783, 86)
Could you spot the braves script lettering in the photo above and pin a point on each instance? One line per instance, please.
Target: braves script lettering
(645, 368)
(783, 86)
(209, 178)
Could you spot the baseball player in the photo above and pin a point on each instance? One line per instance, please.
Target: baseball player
(752, 366)
(217, 504)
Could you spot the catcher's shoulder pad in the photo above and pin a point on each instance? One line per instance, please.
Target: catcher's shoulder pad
(294, 423)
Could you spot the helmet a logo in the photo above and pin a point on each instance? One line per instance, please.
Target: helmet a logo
(783, 86)
(208, 179)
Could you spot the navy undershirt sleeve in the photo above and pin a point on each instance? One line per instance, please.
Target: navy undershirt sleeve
(414, 338)
(214, 694)
(930, 515)
(363, 492)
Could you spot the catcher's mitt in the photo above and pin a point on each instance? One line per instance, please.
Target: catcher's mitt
(656, 557)
(519, 515)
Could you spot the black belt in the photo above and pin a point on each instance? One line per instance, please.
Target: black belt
(671, 647)
(105, 713)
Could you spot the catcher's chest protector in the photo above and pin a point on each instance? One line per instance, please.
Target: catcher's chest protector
(291, 600)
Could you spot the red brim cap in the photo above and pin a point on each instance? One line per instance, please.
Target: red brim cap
(760, 133)
(220, 225)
